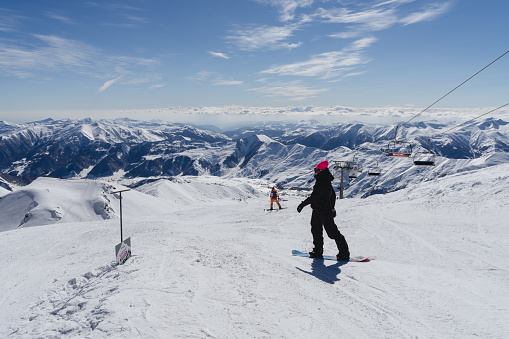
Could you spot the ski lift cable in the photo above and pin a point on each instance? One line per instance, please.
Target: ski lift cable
(452, 90)
(401, 125)
(466, 122)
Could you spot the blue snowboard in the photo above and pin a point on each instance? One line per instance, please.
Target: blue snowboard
(330, 257)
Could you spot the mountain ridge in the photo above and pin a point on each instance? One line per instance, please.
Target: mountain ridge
(281, 152)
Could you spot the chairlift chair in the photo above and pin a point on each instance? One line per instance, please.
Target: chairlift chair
(426, 158)
(355, 168)
(397, 148)
(374, 171)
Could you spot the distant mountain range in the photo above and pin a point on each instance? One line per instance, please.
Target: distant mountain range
(281, 152)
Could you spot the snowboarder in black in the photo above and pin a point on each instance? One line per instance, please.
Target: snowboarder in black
(323, 200)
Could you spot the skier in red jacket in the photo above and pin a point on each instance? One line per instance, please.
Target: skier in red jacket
(274, 197)
(323, 200)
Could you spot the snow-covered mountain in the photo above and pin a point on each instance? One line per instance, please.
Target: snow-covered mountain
(281, 152)
(87, 148)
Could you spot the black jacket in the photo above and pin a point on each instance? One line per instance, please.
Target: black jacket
(323, 196)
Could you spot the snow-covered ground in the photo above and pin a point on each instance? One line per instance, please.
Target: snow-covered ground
(208, 262)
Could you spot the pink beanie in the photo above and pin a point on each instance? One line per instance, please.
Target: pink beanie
(323, 165)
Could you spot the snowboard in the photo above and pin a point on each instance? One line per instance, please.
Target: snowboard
(274, 209)
(331, 257)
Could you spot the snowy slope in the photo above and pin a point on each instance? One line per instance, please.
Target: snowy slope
(49, 200)
(190, 190)
(3, 191)
(5, 187)
(222, 268)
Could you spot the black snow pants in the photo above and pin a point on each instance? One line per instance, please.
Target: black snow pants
(323, 219)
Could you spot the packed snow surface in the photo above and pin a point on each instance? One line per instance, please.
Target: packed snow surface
(208, 262)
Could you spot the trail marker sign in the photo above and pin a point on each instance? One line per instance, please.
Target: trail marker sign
(123, 251)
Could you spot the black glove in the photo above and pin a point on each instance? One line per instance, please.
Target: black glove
(333, 212)
(300, 207)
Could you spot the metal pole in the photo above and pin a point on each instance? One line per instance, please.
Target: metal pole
(341, 184)
(121, 231)
(121, 236)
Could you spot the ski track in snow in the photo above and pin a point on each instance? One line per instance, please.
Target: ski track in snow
(224, 269)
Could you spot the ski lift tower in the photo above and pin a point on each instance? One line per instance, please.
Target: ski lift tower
(339, 171)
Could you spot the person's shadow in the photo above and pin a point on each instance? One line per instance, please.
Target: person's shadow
(328, 274)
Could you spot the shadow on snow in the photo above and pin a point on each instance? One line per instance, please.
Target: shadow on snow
(328, 274)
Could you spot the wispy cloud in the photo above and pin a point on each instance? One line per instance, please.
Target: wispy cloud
(228, 82)
(112, 6)
(356, 19)
(201, 76)
(426, 14)
(53, 54)
(9, 19)
(214, 79)
(373, 19)
(123, 17)
(287, 7)
(330, 65)
(294, 91)
(394, 2)
(366, 19)
(108, 84)
(157, 86)
(135, 19)
(263, 37)
(59, 17)
(219, 55)
(346, 35)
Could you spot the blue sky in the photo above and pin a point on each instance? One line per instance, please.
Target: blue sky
(134, 54)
